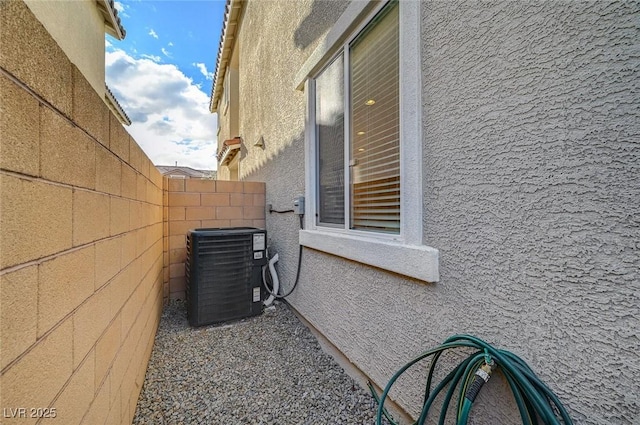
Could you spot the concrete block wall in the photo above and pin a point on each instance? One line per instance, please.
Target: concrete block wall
(195, 203)
(81, 247)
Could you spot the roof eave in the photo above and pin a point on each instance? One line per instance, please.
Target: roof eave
(115, 106)
(233, 11)
(113, 27)
(228, 154)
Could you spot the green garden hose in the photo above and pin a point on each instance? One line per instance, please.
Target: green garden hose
(535, 401)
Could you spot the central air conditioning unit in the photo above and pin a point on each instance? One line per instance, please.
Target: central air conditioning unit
(224, 274)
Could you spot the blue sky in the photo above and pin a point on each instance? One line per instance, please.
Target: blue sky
(161, 74)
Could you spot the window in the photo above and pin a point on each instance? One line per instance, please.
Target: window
(364, 140)
(329, 122)
(374, 129)
(372, 139)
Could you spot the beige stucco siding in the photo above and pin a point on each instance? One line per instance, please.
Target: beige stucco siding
(78, 28)
(268, 104)
(530, 176)
(270, 107)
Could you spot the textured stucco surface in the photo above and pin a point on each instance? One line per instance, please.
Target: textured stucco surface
(78, 28)
(532, 159)
(271, 108)
(531, 130)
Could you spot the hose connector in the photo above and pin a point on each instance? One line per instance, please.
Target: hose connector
(481, 377)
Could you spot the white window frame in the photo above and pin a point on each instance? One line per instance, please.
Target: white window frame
(403, 253)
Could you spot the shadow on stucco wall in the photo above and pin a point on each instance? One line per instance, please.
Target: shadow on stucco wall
(311, 28)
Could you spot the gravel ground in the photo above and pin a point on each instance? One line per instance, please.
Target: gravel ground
(267, 369)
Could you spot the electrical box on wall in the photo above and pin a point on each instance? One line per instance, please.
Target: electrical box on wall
(298, 205)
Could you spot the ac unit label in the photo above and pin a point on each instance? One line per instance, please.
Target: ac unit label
(259, 241)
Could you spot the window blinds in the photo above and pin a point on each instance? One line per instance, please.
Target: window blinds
(375, 147)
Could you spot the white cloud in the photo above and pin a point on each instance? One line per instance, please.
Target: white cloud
(152, 57)
(169, 113)
(153, 34)
(203, 69)
(170, 44)
(165, 52)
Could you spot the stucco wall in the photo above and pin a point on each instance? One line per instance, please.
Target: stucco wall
(532, 161)
(271, 108)
(81, 240)
(78, 28)
(532, 190)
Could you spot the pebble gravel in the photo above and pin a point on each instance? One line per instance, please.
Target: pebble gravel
(267, 369)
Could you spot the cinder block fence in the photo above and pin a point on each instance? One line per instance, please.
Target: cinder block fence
(81, 246)
(204, 203)
(90, 235)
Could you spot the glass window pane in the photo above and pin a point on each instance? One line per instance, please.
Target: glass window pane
(330, 137)
(375, 125)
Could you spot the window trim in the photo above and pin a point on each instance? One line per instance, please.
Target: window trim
(403, 253)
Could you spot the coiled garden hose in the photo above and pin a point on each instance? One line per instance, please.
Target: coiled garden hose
(534, 399)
